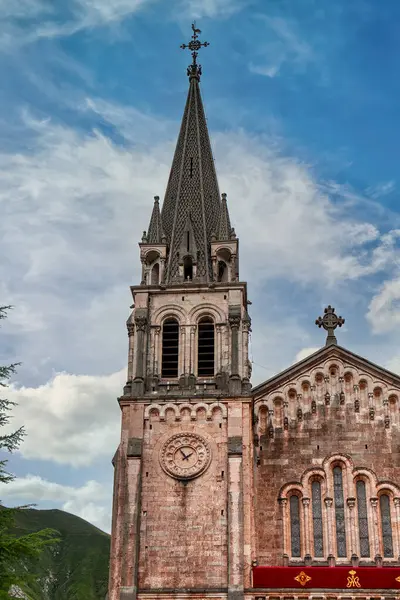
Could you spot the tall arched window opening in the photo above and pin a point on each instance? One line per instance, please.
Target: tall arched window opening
(155, 274)
(205, 349)
(339, 512)
(362, 519)
(317, 519)
(295, 525)
(170, 348)
(387, 539)
(222, 271)
(188, 268)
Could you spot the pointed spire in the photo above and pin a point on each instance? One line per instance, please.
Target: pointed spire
(224, 226)
(154, 233)
(192, 189)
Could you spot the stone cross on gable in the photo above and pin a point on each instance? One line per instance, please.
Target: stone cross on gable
(329, 322)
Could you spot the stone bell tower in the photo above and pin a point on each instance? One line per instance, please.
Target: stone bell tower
(178, 519)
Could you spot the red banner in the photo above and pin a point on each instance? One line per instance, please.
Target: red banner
(327, 577)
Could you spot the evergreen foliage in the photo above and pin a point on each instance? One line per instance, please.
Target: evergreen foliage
(15, 550)
(76, 567)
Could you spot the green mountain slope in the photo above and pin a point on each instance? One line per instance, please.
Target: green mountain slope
(76, 568)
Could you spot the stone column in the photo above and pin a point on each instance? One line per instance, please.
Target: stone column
(351, 502)
(156, 351)
(131, 338)
(192, 349)
(245, 350)
(329, 527)
(141, 327)
(375, 528)
(307, 524)
(162, 269)
(396, 527)
(143, 261)
(235, 518)
(234, 322)
(371, 406)
(218, 348)
(182, 358)
(285, 521)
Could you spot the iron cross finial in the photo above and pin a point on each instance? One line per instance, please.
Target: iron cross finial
(194, 70)
(329, 322)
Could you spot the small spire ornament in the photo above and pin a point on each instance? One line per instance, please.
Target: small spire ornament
(194, 70)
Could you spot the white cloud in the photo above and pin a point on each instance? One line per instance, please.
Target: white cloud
(304, 353)
(72, 419)
(76, 500)
(85, 201)
(384, 309)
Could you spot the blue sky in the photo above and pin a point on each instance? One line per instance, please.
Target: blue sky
(302, 106)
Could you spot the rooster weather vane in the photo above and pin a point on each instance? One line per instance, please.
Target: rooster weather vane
(194, 70)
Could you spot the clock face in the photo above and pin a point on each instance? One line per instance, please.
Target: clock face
(185, 455)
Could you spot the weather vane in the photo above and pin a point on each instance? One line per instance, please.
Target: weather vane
(329, 322)
(194, 70)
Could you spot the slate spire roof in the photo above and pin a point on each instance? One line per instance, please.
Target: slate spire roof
(193, 213)
(192, 191)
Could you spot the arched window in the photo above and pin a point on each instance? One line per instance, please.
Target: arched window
(384, 502)
(317, 519)
(222, 271)
(339, 511)
(295, 525)
(188, 268)
(170, 348)
(205, 348)
(362, 519)
(155, 274)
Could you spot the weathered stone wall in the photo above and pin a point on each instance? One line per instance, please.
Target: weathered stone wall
(333, 410)
(183, 532)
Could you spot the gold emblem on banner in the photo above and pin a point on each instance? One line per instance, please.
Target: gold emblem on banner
(302, 578)
(352, 580)
(397, 579)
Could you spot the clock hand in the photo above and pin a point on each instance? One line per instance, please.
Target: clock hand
(188, 456)
(183, 454)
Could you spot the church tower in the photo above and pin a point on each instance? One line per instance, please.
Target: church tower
(178, 525)
(286, 491)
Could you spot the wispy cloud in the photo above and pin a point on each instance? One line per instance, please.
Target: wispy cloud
(197, 9)
(284, 45)
(29, 20)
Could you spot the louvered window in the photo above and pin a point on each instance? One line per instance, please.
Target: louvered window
(317, 519)
(362, 519)
(339, 511)
(295, 525)
(384, 502)
(170, 348)
(205, 354)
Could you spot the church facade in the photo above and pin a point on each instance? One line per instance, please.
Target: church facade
(224, 491)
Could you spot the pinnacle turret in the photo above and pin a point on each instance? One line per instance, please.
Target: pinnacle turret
(155, 231)
(224, 225)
